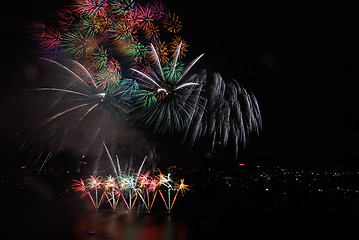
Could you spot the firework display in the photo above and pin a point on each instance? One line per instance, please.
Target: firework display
(128, 188)
(114, 69)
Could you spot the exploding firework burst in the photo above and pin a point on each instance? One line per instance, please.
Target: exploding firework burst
(152, 33)
(145, 17)
(177, 40)
(79, 44)
(172, 23)
(51, 38)
(65, 18)
(91, 7)
(169, 102)
(168, 73)
(230, 112)
(109, 76)
(74, 112)
(99, 58)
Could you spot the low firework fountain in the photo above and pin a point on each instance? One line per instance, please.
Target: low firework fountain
(131, 189)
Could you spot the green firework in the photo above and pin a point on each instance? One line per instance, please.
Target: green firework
(78, 43)
(167, 71)
(146, 98)
(99, 58)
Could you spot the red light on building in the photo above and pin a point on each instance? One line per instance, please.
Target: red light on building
(241, 164)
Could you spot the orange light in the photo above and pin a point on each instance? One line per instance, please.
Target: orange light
(241, 164)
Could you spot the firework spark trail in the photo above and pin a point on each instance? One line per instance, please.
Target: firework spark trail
(174, 199)
(185, 85)
(92, 200)
(118, 166)
(148, 198)
(45, 161)
(164, 201)
(60, 90)
(85, 71)
(180, 187)
(157, 61)
(146, 77)
(133, 203)
(88, 111)
(143, 200)
(175, 61)
(154, 197)
(169, 197)
(137, 190)
(108, 199)
(66, 70)
(104, 192)
(123, 198)
(94, 183)
(64, 112)
(112, 162)
(140, 169)
(189, 66)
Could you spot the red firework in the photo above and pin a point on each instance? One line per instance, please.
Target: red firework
(66, 18)
(51, 38)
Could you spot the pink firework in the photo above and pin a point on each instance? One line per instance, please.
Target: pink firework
(144, 67)
(91, 7)
(132, 19)
(79, 186)
(152, 185)
(94, 182)
(144, 179)
(145, 17)
(158, 9)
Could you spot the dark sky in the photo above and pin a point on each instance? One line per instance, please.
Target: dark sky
(298, 59)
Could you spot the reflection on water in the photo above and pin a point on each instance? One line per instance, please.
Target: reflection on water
(107, 225)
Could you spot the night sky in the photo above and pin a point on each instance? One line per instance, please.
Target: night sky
(297, 58)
